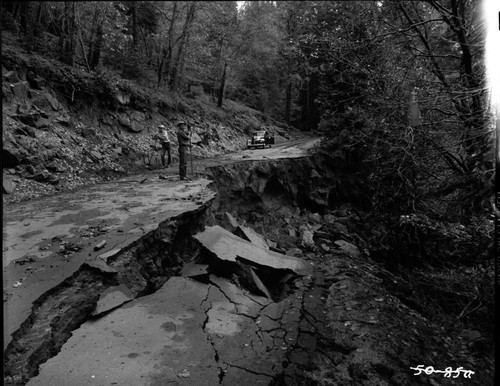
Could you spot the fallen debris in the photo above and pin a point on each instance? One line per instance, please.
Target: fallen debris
(193, 270)
(229, 247)
(112, 298)
(259, 284)
(100, 245)
(348, 248)
(106, 255)
(250, 235)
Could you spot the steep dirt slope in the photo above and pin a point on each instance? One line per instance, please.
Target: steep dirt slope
(64, 128)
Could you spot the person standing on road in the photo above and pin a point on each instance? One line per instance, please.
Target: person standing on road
(184, 141)
(162, 136)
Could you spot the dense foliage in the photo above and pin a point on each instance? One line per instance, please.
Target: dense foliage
(398, 88)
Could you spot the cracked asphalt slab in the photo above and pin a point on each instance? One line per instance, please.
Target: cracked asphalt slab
(48, 239)
(186, 333)
(200, 334)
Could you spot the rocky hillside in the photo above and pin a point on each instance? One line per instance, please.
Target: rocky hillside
(64, 128)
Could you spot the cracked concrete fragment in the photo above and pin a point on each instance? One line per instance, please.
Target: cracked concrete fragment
(229, 247)
(307, 341)
(140, 342)
(112, 298)
(246, 304)
(274, 310)
(236, 376)
(106, 255)
(250, 235)
(267, 324)
(259, 283)
(101, 266)
(193, 270)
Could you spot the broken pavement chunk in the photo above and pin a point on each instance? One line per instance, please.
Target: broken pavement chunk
(112, 298)
(250, 235)
(100, 245)
(192, 269)
(230, 221)
(259, 284)
(106, 255)
(229, 247)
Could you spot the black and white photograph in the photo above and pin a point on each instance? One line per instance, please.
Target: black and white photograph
(276, 193)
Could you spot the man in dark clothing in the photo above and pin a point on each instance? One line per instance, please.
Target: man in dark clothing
(165, 144)
(184, 140)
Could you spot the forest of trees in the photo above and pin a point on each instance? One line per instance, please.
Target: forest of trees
(348, 69)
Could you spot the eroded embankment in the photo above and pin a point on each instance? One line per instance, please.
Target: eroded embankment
(142, 267)
(308, 183)
(286, 333)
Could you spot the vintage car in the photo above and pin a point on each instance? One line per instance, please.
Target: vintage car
(261, 138)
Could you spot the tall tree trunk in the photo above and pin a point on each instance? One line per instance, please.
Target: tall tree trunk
(96, 41)
(166, 52)
(28, 21)
(222, 85)
(67, 41)
(38, 19)
(288, 102)
(176, 75)
(134, 23)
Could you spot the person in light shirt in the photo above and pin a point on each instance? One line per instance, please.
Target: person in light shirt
(162, 136)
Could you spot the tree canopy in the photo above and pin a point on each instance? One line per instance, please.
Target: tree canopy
(398, 87)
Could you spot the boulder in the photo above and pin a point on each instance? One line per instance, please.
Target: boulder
(135, 127)
(307, 239)
(23, 108)
(26, 130)
(343, 220)
(229, 222)
(348, 248)
(96, 155)
(30, 169)
(122, 98)
(57, 166)
(106, 119)
(90, 134)
(341, 213)
(42, 123)
(8, 184)
(38, 83)
(320, 196)
(314, 218)
(29, 118)
(7, 94)
(63, 120)
(38, 99)
(54, 103)
(45, 176)
(296, 252)
(196, 139)
(329, 218)
(10, 158)
(20, 90)
(11, 77)
(339, 227)
(124, 121)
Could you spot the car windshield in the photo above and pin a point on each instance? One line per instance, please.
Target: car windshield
(259, 133)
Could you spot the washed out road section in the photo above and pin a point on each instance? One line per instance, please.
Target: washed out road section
(48, 239)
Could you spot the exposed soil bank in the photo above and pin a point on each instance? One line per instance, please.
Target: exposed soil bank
(341, 326)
